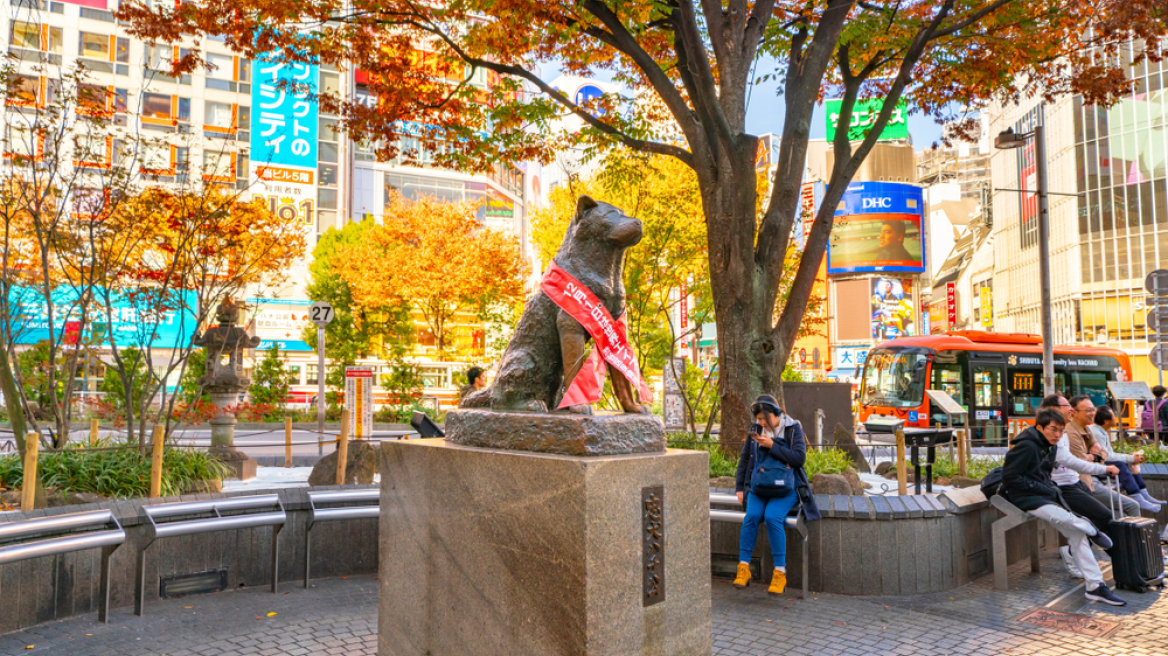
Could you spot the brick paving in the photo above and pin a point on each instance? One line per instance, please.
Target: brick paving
(338, 616)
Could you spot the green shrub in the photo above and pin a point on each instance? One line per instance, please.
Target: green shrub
(826, 461)
(978, 467)
(118, 474)
(1156, 455)
(720, 463)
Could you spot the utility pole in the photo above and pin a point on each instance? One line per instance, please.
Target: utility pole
(1044, 260)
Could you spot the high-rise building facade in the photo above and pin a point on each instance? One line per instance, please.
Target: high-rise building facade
(1108, 180)
(231, 123)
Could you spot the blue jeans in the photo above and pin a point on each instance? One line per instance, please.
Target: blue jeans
(1129, 481)
(775, 512)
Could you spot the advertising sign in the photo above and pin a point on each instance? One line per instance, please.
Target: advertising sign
(280, 326)
(849, 357)
(987, 307)
(673, 402)
(810, 198)
(359, 383)
(878, 227)
(892, 308)
(864, 115)
(284, 129)
(951, 304)
(132, 320)
(939, 315)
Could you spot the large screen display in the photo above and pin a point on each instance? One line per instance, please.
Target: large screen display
(878, 227)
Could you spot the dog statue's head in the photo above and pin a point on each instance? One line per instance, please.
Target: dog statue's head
(596, 222)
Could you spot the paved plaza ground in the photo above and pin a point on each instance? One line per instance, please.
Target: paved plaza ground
(338, 616)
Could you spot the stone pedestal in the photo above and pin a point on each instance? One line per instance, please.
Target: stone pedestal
(509, 553)
(238, 464)
(600, 434)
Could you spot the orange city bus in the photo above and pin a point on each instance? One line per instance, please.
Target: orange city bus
(996, 377)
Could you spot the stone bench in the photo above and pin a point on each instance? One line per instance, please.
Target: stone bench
(794, 521)
(1014, 517)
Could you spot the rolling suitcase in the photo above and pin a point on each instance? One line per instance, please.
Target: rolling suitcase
(1136, 559)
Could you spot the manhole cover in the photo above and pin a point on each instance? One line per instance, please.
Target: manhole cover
(1071, 622)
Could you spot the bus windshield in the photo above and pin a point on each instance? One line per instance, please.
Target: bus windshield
(895, 378)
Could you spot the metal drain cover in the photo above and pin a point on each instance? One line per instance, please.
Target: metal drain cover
(1071, 622)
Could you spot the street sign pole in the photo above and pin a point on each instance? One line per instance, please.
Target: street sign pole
(321, 314)
(1044, 260)
(320, 390)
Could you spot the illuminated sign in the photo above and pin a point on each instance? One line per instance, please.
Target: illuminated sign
(864, 114)
(878, 228)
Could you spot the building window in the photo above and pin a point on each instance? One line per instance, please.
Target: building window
(26, 91)
(156, 105)
(220, 72)
(218, 115)
(310, 374)
(94, 46)
(218, 166)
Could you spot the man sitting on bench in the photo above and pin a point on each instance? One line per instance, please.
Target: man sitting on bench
(1026, 483)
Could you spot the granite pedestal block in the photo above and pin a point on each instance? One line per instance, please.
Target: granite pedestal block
(489, 552)
(601, 434)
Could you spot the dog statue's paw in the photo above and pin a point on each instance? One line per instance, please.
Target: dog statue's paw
(582, 409)
(536, 406)
(644, 410)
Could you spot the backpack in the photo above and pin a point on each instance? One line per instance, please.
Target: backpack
(992, 483)
(1148, 418)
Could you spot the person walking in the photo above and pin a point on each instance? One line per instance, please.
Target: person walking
(1128, 463)
(1026, 483)
(765, 483)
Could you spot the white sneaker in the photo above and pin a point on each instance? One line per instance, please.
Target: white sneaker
(1065, 552)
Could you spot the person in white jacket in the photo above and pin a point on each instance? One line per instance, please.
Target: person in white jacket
(1128, 463)
(1074, 493)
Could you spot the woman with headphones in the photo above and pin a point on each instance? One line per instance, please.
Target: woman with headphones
(768, 473)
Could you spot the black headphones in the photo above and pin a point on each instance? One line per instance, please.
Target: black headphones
(764, 403)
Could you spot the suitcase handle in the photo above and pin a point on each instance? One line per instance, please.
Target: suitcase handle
(1113, 501)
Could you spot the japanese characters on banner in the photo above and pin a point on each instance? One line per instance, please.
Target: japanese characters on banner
(359, 383)
(280, 324)
(951, 301)
(284, 129)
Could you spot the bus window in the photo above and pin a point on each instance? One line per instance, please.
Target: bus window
(894, 379)
(1025, 387)
(1091, 383)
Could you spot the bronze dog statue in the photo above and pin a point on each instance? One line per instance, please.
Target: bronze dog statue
(549, 346)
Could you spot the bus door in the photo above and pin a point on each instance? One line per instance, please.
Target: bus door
(988, 415)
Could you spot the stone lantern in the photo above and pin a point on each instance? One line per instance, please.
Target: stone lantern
(223, 381)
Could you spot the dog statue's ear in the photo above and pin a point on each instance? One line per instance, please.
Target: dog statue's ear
(584, 204)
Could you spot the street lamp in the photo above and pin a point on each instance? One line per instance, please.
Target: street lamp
(1008, 140)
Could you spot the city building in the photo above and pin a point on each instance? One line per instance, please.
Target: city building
(1108, 178)
(231, 124)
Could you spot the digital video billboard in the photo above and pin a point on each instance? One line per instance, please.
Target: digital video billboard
(878, 228)
(892, 308)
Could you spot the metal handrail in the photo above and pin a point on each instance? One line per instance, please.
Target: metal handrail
(274, 518)
(58, 535)
(369, 507)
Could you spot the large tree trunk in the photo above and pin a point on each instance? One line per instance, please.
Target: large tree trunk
(729, 203)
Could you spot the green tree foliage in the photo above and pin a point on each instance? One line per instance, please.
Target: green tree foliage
(114, 388)
(35, 376)
(357, 331)
(271, 380)
(190, 391)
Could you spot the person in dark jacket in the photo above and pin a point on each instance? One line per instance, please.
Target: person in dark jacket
(775, 442)
(1026, 483)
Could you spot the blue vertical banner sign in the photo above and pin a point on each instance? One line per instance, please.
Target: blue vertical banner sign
(284, 115)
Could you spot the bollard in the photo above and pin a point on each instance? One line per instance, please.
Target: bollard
(901, 466)
(28, 487)
(287, 441)
(343, 448)
(156, 462)
(962, 454)
(93, 435)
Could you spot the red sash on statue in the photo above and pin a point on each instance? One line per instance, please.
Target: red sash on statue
(611, 337)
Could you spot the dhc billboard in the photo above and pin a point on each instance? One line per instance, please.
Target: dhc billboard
(879, 227)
